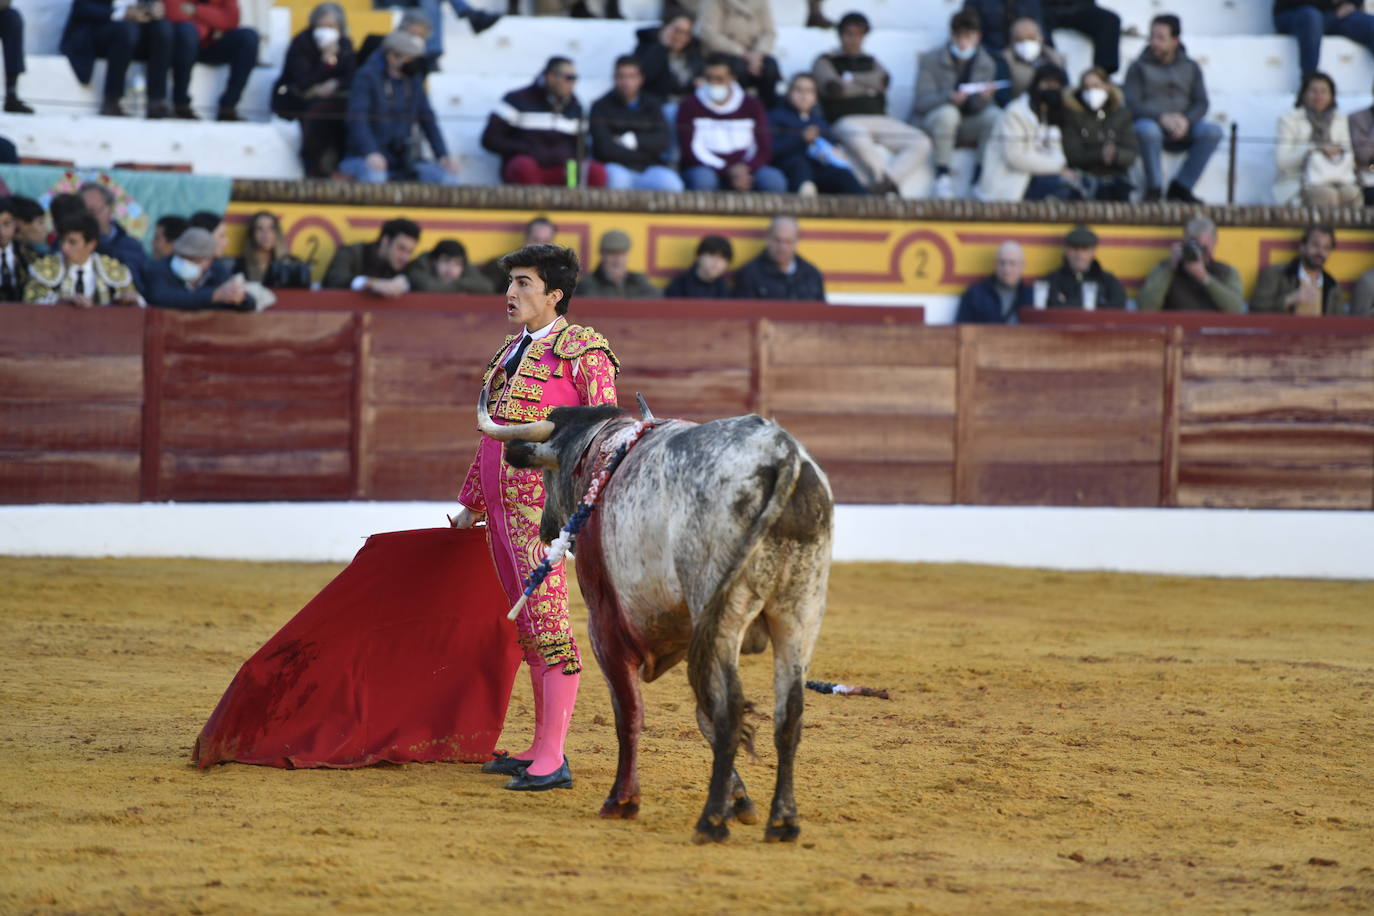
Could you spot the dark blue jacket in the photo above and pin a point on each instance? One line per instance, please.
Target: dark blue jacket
(687, 285)
(762, 279)
(382, 111)
(167, 290)
(998, 15)
(787, 126)
(980, 303)
(79, 34)
(124, 247)
(526, 123)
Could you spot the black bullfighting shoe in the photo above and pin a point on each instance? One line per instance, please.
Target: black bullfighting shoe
(505, 765)
(560, 778)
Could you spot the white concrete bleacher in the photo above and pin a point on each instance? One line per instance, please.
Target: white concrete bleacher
(1252, 78)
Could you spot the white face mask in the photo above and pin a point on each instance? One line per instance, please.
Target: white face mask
(1028, 50)
(962, 53)
(187, 271)
(1095, 97)
(326, 35)
(717, 93)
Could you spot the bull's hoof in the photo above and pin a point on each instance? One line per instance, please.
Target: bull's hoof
(782, 831)
(711, 829)
(626, 810)
(744, 811)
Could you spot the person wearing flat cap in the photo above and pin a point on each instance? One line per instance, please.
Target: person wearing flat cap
(385, 105)
(1080, 282)
(612, 278)
(190, 279)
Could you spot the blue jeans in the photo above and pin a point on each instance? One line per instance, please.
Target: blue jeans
(705, 178)
(1203, 139)
(427, 172)
(1050, 187)
(238, 48)
(654, 178)
(434, 10)
(1307, 24)
(12, 39)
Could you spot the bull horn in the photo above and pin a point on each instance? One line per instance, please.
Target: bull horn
(529, 432)
(644, 412)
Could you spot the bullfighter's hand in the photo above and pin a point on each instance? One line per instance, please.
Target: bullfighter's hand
(81, 302)
(465, 518)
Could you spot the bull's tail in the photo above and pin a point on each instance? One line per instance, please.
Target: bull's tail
(710, 680)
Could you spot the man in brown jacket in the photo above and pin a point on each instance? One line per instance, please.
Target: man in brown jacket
(853, 88)
(1302, 286)
(743, 29)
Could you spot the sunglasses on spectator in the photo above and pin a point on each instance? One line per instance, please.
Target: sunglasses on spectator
(570, 77)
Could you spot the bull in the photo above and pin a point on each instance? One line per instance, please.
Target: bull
(710, 540)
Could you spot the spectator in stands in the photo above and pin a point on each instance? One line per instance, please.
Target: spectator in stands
(444, 269)
(313, 88)
(1302, 286)
(385, 105)
(99, 201)
(376, 267)
(955, 84)
(705, 279)
(414, 22)
(538, 231)
(577, 9)
(265, 259)
(853, 89)
(1099, 138)
(535, 131)
(1024, 160)
(208, 32)
(671, 59)
(1314, 152)
(120, 32)
(724, 137)
(167, 230)
(12, 42)
(31, 225)
(76, 274)
(1167, 96)
(1019, 61)
(1309, 20)
(192, 279)
(214, 224)
(14, 259)
(612, 278)
(998, 16)
(1362, 139)
(778, 272)
(1102, 27)
(743, 30)
(630, 136)
(804, 147)
(1080, 282)
(996, 299)
(1362, 300)
(9, 153)
(1190, 279)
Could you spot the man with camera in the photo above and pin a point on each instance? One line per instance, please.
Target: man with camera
(386, 103)
(121, 32)
(1190, 279)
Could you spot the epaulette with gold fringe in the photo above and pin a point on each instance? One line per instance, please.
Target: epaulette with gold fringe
(576, 339)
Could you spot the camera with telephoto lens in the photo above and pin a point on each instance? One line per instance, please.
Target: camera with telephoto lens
(1192, 251)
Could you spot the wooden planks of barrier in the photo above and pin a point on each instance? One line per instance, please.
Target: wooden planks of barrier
(71, 396)
(348, 398)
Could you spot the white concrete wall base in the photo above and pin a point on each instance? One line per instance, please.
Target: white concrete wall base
(1204, 542)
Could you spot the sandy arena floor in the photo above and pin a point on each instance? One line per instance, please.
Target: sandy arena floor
(1055, 743)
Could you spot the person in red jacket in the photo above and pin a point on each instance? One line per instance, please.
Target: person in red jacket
(207, 31)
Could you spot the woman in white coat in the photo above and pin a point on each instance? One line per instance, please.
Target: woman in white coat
(1315, 158)
(1024, 157)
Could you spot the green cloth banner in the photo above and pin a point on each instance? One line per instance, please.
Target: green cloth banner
(141, 198)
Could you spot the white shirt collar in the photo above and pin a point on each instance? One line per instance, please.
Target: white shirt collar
(543, 332)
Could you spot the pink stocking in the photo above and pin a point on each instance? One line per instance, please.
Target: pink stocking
(537, 688)
(560, 694)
